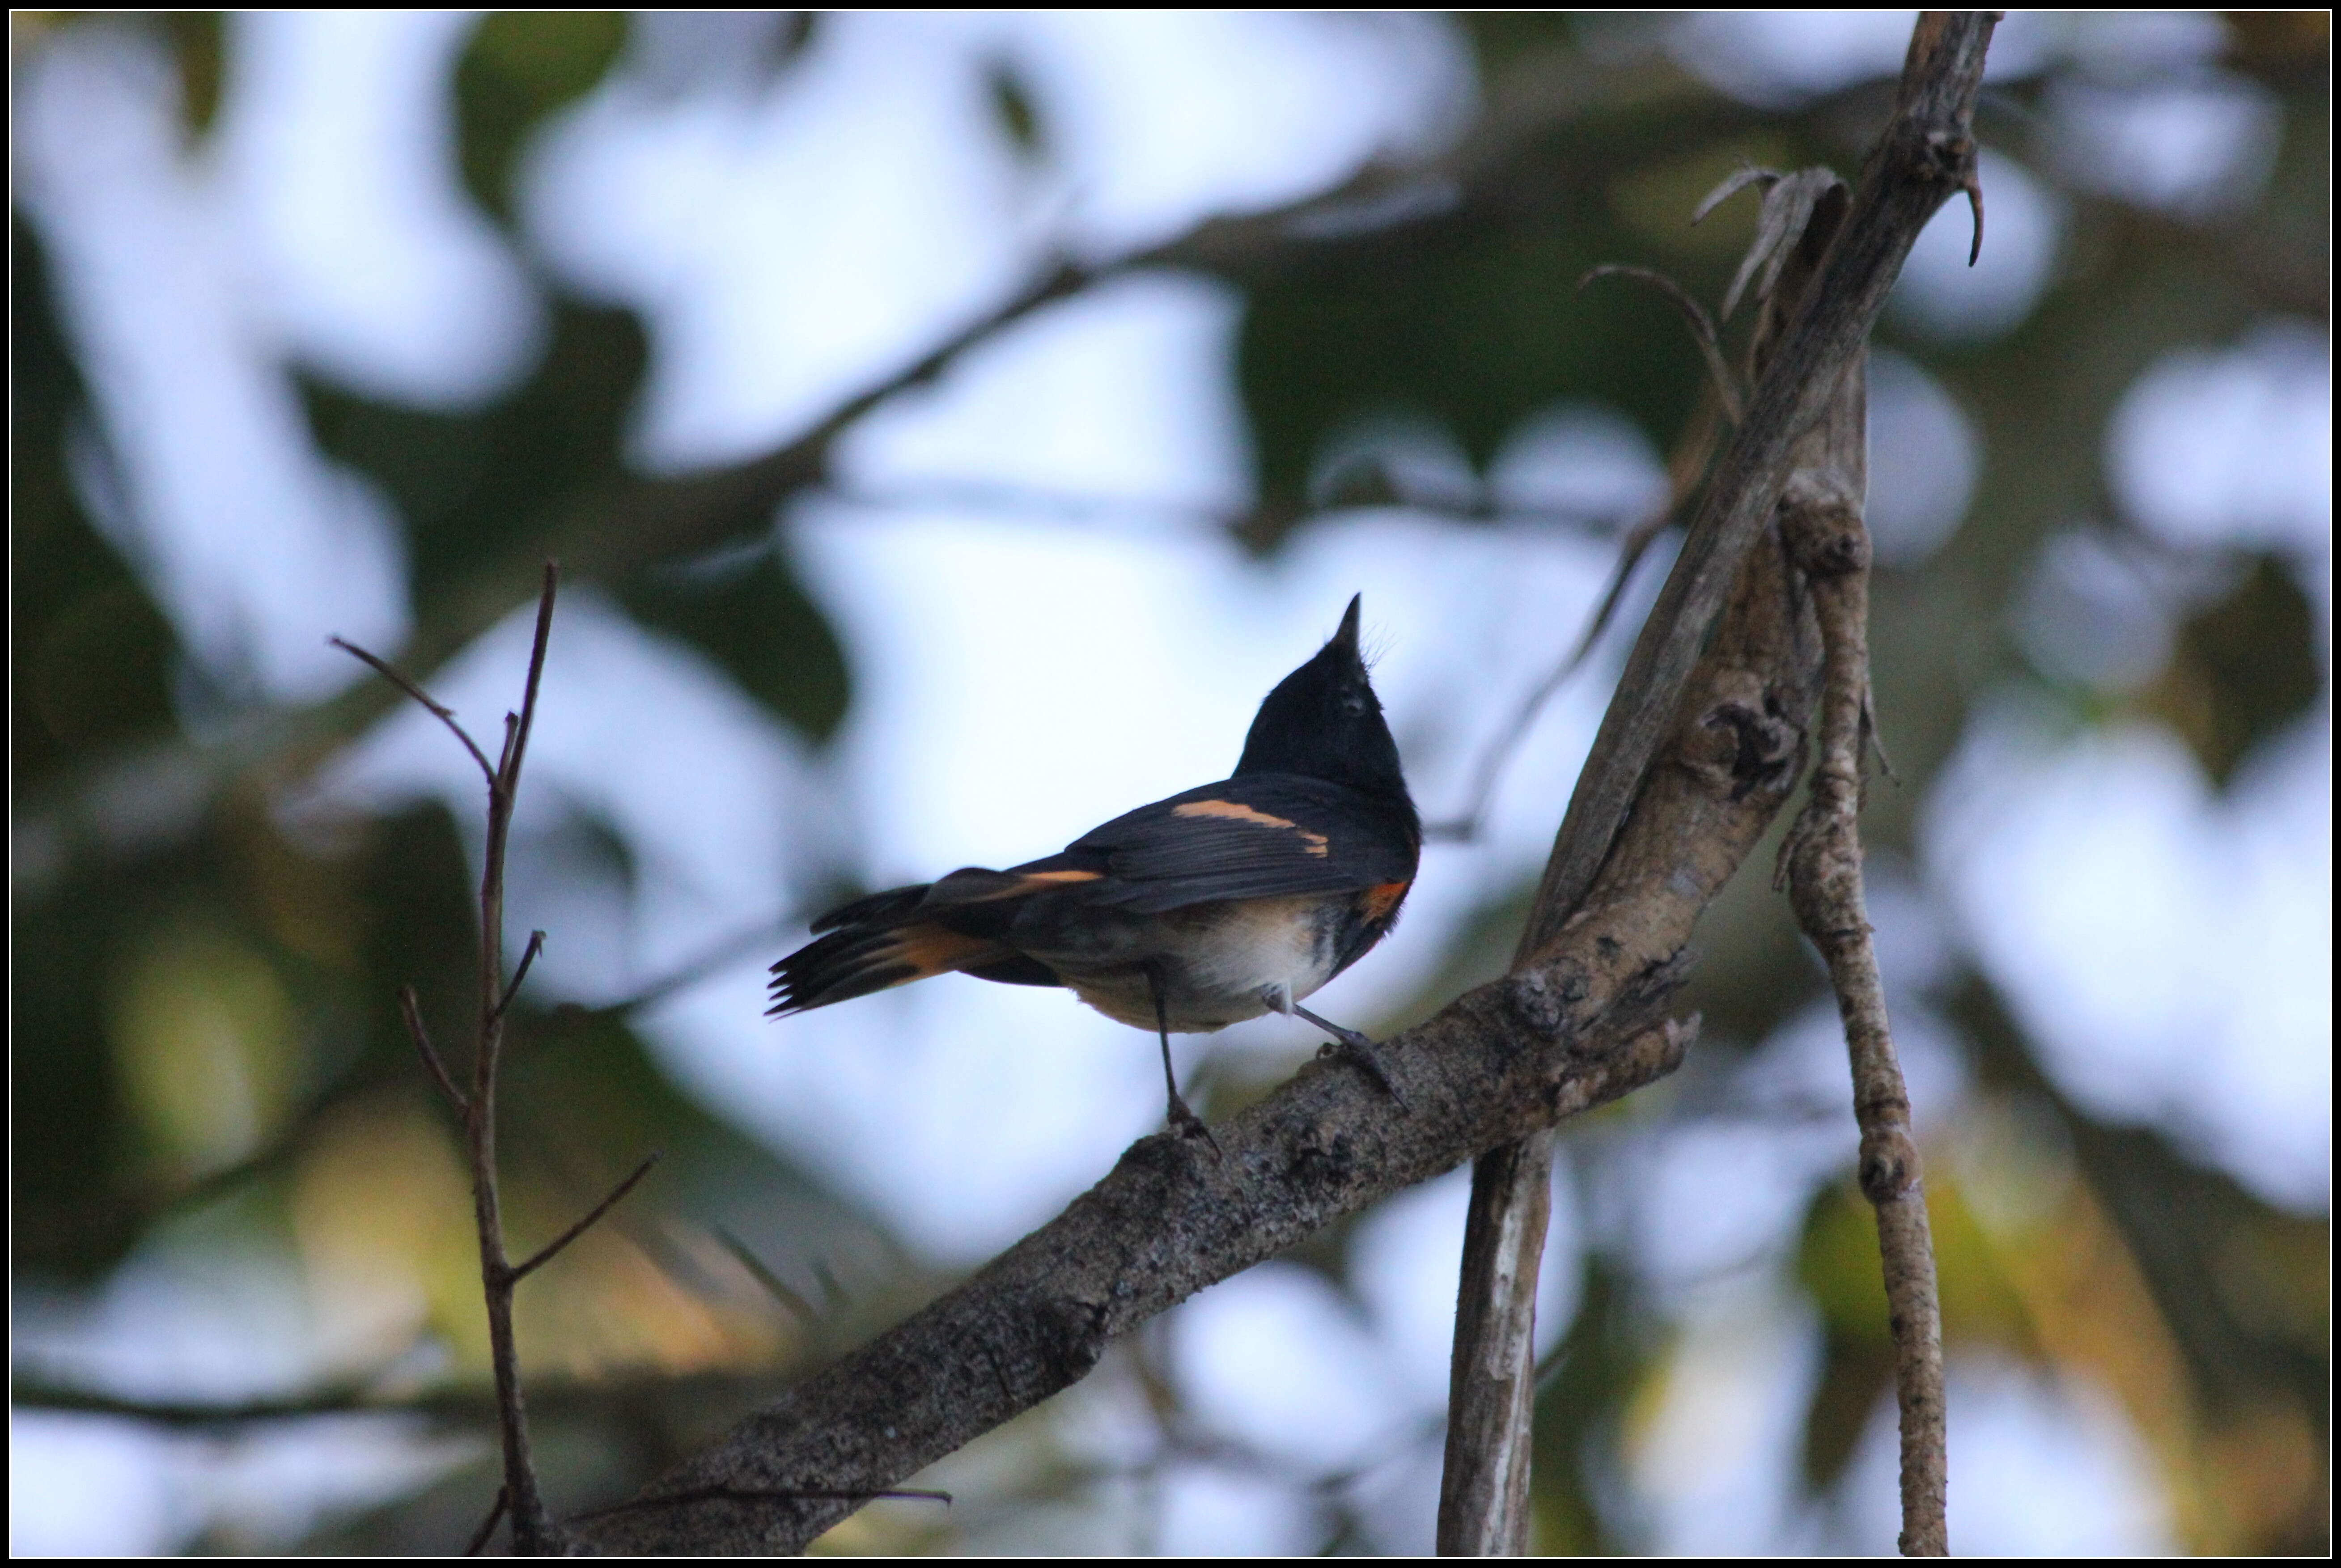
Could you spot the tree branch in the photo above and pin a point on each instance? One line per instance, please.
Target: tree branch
(1822, 526)
(1926, 153)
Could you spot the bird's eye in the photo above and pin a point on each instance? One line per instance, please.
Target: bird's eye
(1353, 703)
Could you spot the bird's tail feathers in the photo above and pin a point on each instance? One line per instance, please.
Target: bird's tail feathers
(865, 958)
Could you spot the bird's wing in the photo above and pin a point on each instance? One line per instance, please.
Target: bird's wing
(1262, 836)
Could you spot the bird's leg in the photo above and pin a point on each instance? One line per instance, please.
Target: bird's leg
(1183, 1120)
(1354, 1045)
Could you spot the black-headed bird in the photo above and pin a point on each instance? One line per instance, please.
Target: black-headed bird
(1215, 905)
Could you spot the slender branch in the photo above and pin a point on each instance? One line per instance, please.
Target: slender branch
(488, 1526)
(409, 1005)
(533, 1532)
(1483, 1501)
(455, 1406)
(552, 1249)
(519, 746)
(764, 1275)
(520, 973)
(1694, 315)
(1686, 465)
(1920, 161)
(1821, 859)
(444, 714)
(1926, 152)
(532, 1529)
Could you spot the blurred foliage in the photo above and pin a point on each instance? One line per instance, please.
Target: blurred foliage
(2245, 668)
(206, 1035)
(518, 68)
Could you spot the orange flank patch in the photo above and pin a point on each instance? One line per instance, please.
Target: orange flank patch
(933, 950)
(1381, 900)
(1233, 812)
(1035, 879)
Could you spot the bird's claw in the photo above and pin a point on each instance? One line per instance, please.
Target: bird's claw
(1188, 1124)
(1362, 1054)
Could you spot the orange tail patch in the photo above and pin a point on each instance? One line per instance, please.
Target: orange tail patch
(858, 960)
(929, 950)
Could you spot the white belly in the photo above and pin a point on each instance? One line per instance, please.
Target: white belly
(1229, 969)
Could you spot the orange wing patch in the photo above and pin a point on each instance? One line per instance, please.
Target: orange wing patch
(1035, 880)
(1379, 901)
(1231, 812)
(1234, 812)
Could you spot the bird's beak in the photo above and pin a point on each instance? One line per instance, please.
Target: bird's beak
(1347, 637)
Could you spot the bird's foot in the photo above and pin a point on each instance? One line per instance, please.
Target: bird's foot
(1188, 1124)
(1359, 1052)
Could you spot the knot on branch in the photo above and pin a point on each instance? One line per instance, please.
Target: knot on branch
(1066, 1336)
(1889, 1165)
(1822, 865)
(1744, 741)
(1822, 527)
(1539, 999)
(1948, 159)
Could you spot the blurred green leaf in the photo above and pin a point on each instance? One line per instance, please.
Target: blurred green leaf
(2244, 669)
(92, 654)
(519, 68)
(1474, 331)
(471, 487)
(745, 610)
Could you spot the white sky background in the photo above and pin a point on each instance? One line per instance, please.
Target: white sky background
(786, 244)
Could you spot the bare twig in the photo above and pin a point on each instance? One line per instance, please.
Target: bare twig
(1927, 153)
(478, 1540)
(533, 1532)
(1821, 521)
(715, 959)
(454, 1405)
(520, 972)
(1685, 467)
(552, 1249)
(764, 1275)
(444, 714)
(432, 1064)
(1483, 1502)
(1694, 315)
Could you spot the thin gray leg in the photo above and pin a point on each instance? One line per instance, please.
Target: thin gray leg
(1182, 1118)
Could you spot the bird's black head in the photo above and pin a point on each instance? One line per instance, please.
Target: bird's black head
(1323, 722)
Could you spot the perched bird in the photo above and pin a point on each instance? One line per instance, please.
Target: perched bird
(1216, 905)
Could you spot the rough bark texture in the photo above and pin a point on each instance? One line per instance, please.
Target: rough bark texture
(1926, 153)
(1580, 1028)
(1823, 529)
(1805, 364)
